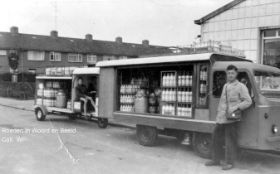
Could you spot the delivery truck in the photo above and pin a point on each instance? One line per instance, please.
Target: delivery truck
(178, 95)
(56, 94)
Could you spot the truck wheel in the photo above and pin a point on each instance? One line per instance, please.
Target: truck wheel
(40, 116)
(202, 144)
(147, 135)
(102, 122)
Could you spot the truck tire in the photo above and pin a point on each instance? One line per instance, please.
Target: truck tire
(202, 144)
(102, 122)
(40, 116)
(146, 135)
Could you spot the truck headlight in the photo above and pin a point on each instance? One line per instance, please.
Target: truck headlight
(274, 129)
(233, 115)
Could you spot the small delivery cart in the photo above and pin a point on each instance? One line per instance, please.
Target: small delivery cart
(56, 94)
(178, 95)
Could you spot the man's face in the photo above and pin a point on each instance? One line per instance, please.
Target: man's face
(80, 81)
(231, 75)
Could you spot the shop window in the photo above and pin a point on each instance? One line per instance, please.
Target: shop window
(270, 33)
(271, 48)
(75, 58)
(166, 91)
(219, 80)
(36, 55)
(54, 56)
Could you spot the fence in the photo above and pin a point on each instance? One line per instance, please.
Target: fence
(20, 90)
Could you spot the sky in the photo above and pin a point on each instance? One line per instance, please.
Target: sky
(162, 22)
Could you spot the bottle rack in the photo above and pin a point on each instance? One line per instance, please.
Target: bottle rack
(177, 95)
(203, 83)
(128, 93)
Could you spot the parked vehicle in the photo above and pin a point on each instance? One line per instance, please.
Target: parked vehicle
(178, 95)
(56, 94)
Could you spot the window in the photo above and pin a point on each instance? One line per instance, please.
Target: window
(267, 82)
(3, 52)
(271, 47)
(54, 56)
(32, 71)
(91, 59)
(36, 55)
(75, 58)
(109, 57)
(219, 80)
(123, 57)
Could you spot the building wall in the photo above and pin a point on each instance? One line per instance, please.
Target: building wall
(240, 26)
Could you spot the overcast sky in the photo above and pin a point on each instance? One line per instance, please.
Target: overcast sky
(163, 22)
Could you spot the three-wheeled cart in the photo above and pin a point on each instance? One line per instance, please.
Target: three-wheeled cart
(56, 94)
(178, 95)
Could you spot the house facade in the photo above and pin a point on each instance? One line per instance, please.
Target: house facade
(34, 53)
(249, 25)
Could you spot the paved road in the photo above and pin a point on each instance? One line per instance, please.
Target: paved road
(80, 147)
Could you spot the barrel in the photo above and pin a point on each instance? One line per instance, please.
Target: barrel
(141, 102)
(61, 99)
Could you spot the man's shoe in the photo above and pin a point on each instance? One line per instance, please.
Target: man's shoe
(212, 163)
(227, 166)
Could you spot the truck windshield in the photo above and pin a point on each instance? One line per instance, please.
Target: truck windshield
(268, 82)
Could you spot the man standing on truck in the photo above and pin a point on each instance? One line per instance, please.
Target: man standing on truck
(235, 98)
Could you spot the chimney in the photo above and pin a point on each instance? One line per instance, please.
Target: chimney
(119, 39)
(54, 33)
(88, 37)
(14, 30)
(145, 42)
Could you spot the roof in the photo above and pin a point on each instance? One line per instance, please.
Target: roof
(54, 77)
(92, 70)
(246, 65)
(64, 44)
(218, 11)
(156, 60)
(171, 59)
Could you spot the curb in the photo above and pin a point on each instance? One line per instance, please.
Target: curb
(25, 109)
(16, 107)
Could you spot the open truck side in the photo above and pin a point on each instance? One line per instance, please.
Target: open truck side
(192, 116)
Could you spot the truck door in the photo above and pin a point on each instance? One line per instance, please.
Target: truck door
(219, 80)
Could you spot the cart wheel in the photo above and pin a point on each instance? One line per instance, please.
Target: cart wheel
(202, 144)
(102, 122)
(40, 116)
(147, 135)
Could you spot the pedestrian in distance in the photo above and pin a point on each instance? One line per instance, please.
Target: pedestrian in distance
(234, 99)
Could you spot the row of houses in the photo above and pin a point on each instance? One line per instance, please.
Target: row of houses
(34, 53)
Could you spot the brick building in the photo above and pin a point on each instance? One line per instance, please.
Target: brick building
(249, 25)
(37, 52)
